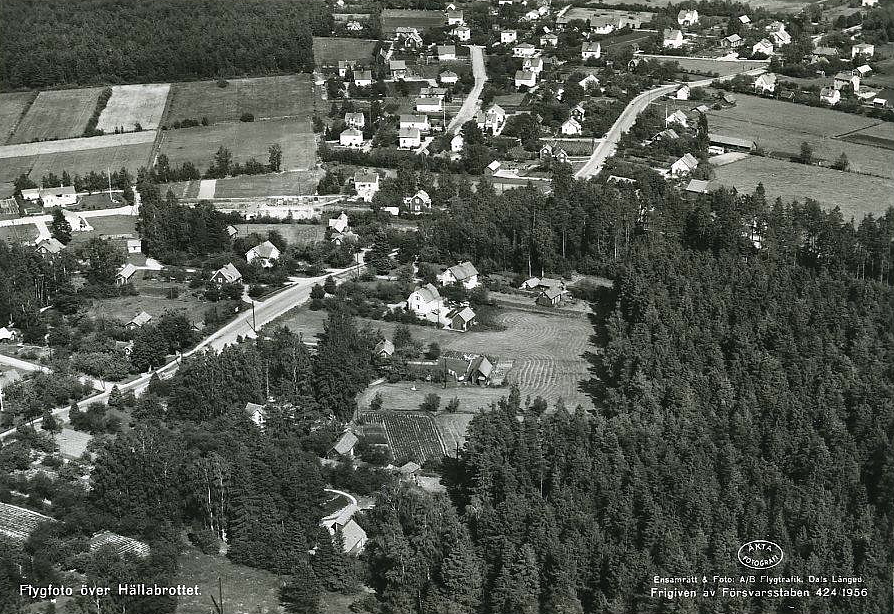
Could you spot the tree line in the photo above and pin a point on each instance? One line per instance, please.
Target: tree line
(173, 40)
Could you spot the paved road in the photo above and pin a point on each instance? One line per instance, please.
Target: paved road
(470, 105)
(241, 326)
(24, 365)
(628, 116)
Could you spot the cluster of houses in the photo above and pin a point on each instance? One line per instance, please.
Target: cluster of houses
(427, 303)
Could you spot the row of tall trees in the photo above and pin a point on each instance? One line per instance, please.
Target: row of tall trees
(171, 40)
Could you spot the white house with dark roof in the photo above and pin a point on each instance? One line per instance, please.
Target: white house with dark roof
(763, 46)
(429, 105)
(227, 274)
(462, 33)
(765, 83)
(455, 18)
(672, 39)
(409, 138)
(351, 137)
(419, 122)
(687, 17)
(464, 273)
(426, 302)
(265, 254)
(363, 78)
(525, 50)
(446, 53)
(591, 51)
(508, 36)
(355, 120)
(684, 165)
(366, 184)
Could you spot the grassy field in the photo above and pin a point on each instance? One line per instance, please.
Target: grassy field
(332, 49)
(22, 233)
(244, 140)
(58, 114)
(108, 225)
(245, 589)
(421, 20)
(702, 65)
(295, 234)
(81, 162)
(783, 126)
(124, 308)
(10, 168)
(72, 444)
(856, 195)
(453, 429)
(263, 97)
(277, 184)
(132, 104)
(76, 144)
(12, 106)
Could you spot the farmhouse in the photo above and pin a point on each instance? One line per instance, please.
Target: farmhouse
(765, 83)
(426, 302)
(571, 127)
(138, 321)
(591, 50)
(455, 18)
(672, 39)
(351, 137)
(227, 274)
(687, 17)
(419, 122)
(684, 165)
(418, 202)
(409, 138)
(398, 69)
(525, 78)
(363, 78)
(677, 117)
(525, 50)
(62, 196)
(446, 53)
(344, 447)
(461, 319)
(732, 41)
(464, 273)
(125, 274)
(428, 105)
(462, 33)
(366, 184)
(763, 47)
(266, 254)
(551, 297)
(50, 247)
(383, 349)
(830, 96)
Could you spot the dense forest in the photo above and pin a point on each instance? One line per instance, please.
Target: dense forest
(89, 42)
(740, 395)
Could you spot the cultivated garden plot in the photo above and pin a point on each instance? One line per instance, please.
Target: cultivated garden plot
(412, 437)
(60, 114)
(132, 105)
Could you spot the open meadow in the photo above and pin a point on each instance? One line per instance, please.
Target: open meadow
(856, 195)
(244, 140)
(273, 184)
(142, 104)
(331, 49)
(295, 234)
(706, 65)
(59, 114)
(782, 127)
(131, 157)
(12, 107)
(422, 20)
(263, 97)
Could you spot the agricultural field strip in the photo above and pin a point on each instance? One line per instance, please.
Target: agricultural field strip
(57, 114)
(77, 144)
(131, 104)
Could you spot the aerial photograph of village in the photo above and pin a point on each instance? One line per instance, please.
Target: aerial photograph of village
(433, 307)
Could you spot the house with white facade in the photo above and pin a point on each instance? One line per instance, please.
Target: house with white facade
(571, 127)
(366, 184)
(265, 254)
(409, 138)
(526, 78)
(419, 122)
(687, 17)
(426, 302)
(351, 137)
(464, 273)
(508, 36)
(429, 105)
(672, 39)
(591, 50)
(684, 165)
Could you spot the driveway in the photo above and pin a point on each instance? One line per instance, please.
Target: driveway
(470, 105)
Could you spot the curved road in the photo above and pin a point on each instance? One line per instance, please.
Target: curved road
(470, 105)
(241, 326)
(628, 116)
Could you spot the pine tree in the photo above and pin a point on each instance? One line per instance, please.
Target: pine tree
(301, 594)
(331, 565)
(59, 227)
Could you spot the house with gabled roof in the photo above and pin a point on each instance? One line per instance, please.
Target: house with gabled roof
(355, 120)
(763, 46)
(446, 53)
(687, 17)
(685, 165)
(384, 349)
(525, 78)
(571, 127)
(461, 318)
(508, 36)
(426, 302)
(227, 274)
(265, 254)
(672, 39)
(677, 117)
(256, 413)
(50, 247)
(464, 273)
(462, 33)
(138, 321)
(765, 83)
(551, 297)
(344, 447)
(591, 50)
(366, 184)
(125, 274)
(351, 137)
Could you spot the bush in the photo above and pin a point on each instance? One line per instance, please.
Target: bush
(247, 117)
(431, 402)
(205, 540)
